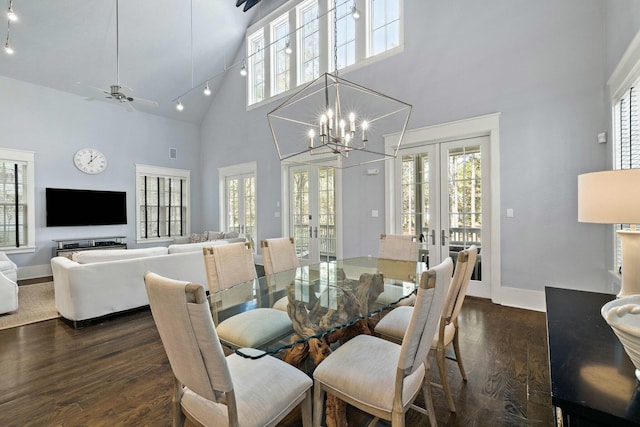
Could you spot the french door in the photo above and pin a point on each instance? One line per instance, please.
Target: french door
(444, 199)
(312, 212)
(240, 202)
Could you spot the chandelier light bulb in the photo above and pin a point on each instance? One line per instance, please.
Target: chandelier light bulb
(179, 106)
(243, 70)
(207, 91)
(287, 48)
(8, 49)
(312, 133)
(354, 12)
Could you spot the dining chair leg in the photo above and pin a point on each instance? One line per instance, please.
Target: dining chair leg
(318, 404)
(305, 409)
(428, 398)
(443, 377)
(456, 349)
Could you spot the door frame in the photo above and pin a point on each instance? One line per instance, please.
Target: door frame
(284, 196)
(486, 125)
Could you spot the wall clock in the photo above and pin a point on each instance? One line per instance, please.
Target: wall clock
(90, 160)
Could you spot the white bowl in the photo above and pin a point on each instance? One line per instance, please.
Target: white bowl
(623, 315)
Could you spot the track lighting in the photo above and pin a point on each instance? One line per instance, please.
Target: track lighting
(243, 70)
(179, 106)
(8, 49)
(354, 11)
(287, 48)
(11, 15)
(207, 91)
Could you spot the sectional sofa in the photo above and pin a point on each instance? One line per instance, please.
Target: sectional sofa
(100, 282)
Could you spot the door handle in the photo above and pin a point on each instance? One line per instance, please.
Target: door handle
(316, 231)
(443, 237)
(310, 232)
(433, 236)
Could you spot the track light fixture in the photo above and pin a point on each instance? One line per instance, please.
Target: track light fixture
(287, 48)
(8, 49)
(179, 106)
(243, 70)
(11, 15)
(206, 91)
(354, 11)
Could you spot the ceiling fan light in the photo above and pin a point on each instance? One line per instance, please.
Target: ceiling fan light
(207, 90)
(8, 49)
(179, 106)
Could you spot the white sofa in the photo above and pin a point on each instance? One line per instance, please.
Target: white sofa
(100, 282)
(8, 284)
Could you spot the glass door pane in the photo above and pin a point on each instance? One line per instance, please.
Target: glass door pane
(300, 211)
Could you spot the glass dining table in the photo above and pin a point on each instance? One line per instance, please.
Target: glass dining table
(327, 302)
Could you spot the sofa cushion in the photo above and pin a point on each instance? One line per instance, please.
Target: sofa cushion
(214, 235)
(192, 247)
(231, 235)
(103, 255)
(197, 238)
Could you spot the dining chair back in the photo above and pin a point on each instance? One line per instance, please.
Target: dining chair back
(279, 254)
(211, 389)
(228, 265)
(401, 247)
(384, 378)
(394, 325)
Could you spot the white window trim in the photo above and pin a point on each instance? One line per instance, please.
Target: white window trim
(326, 63)
(300, 9)
(250, 71)
(282, 20)
(369, 33)
(146, 170)
(29, 158)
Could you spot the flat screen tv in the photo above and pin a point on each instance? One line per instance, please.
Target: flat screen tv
(70, 207)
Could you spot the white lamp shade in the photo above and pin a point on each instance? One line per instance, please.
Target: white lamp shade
(609, 197)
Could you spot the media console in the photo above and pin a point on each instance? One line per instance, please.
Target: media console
(65, 247)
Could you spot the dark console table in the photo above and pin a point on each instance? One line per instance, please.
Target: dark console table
(66, 247)
(592, 378)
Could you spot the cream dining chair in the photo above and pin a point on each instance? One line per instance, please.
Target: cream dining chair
(383, 378)
(211, 389)
(278, 255)
(394, 325)
(401, 247)
(232, 265)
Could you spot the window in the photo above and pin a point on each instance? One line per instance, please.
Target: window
(346, 36)
(17, 200)
(162, 202)
(279, 56)
(272, 72)
(385, 25)
(256, 67)
(308, 42)
(626, 127)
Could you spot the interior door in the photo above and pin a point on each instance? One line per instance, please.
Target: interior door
(312, 212)
(443, 196)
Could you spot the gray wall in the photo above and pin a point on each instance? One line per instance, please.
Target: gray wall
(541, 64)
(56, 124)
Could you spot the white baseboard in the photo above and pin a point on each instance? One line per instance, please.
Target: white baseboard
(34, 271)
(522, 298)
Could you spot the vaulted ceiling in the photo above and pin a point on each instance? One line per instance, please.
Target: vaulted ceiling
(166, 48)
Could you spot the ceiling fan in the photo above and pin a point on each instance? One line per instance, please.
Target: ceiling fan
(116, 92)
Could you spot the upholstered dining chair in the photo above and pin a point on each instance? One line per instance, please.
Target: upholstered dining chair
(401, 247)
(383, 378)
(211, 389)
(279, 254)
(393, 326)
(232, 265)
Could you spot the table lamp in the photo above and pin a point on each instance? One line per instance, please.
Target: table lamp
(613, 197)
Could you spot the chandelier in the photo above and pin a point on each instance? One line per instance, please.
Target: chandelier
(334, 122)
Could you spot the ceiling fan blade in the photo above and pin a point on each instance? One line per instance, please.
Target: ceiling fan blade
(127, 105)
(146, 102)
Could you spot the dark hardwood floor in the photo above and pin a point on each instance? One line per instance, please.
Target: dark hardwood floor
(115, 373)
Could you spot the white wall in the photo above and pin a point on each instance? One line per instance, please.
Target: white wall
(541, 64)
(55, 125)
